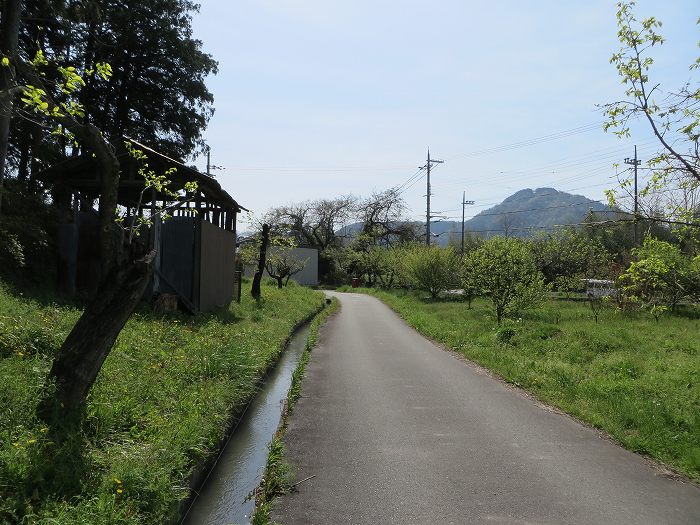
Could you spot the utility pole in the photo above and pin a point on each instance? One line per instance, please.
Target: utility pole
(210, 166)
(635, 162)
(427, 212)
(208, 161)
(464, 203)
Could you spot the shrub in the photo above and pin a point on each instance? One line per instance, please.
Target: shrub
(431, 268)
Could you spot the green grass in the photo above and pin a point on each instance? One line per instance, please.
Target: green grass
(628, 375)
(160, 407)
(279, 474)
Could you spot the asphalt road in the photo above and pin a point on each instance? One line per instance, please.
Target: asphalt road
(397, 430)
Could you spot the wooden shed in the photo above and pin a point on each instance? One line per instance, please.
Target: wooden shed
(195, 246)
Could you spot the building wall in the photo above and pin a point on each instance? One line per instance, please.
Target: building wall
(177, 244)
(217, 271)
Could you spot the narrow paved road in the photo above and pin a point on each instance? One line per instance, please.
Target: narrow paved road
(397, 430)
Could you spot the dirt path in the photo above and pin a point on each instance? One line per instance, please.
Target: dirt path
(397, 430)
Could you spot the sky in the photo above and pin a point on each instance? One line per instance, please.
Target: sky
(317, 99)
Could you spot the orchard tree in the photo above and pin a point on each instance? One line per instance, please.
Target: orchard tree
(506, 271)
(567, 256)
(660, 276)
(470, 281)
(431, 268)
(282, 264)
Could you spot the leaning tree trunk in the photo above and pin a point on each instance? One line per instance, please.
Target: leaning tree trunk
(255, 290)
(122, 284)
(9, 35)
(82, 354)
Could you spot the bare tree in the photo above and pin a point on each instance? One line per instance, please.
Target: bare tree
(282, 264)
(381, 216)
(312, 223)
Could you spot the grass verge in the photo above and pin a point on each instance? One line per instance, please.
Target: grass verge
(161, 405)
(278, 477)
(634, 378)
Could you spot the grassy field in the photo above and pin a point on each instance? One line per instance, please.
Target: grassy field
(637, 379)
(160, 406)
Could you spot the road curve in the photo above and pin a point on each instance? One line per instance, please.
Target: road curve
(397, 430)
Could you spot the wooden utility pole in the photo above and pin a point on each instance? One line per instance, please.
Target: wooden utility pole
(464, 203)
(635, 162)
(427, 166)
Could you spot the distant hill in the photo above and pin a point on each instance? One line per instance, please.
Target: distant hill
(523, 214)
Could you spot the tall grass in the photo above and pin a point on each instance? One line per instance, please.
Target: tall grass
(160, 406)
(637, 379)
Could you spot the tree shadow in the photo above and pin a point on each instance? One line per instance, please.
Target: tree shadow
(58, 466)
(224, 315)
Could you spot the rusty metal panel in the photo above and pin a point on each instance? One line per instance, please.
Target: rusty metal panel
(217, 270)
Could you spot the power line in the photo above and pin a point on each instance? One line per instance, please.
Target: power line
(536, 140)
(599, 160)
(405, 185)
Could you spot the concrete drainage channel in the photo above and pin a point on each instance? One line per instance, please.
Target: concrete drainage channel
(241, 464)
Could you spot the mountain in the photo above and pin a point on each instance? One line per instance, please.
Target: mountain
(523, 214)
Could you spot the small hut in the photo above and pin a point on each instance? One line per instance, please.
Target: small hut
(195, 246)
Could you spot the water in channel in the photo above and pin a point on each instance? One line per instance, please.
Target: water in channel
(239, 469)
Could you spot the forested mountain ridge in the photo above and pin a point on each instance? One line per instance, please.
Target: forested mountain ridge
(523, 214)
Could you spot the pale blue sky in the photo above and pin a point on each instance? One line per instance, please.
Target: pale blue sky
(322, 98)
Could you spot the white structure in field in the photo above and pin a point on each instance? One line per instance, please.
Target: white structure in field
(597, 288)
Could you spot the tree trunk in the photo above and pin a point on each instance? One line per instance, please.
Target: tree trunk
(255, 290)
(9, 35)
(82, 354)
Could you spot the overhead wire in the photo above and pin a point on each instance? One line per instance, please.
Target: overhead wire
(536, 140)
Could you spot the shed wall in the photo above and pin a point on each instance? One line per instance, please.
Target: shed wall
(217, 271)
(177, 256)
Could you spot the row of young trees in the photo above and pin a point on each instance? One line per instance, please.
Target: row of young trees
(517, 274)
